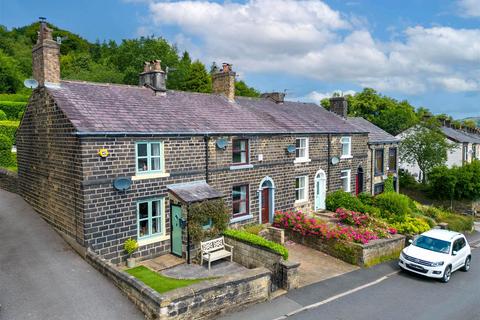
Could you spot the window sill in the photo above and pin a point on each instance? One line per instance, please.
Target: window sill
(241, 166)
(150, 176)
(242, 218)
(301, 202)
(147, 241)
(346, 157)
(302, 160)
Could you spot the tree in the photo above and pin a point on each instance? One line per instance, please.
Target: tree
(243, 90)
(198, 79)
(9, 75)
(426, 146)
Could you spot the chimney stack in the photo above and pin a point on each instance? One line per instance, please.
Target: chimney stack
(153, 76)
(339, 105)
(277, 97)
(223, 82)
(46, 57)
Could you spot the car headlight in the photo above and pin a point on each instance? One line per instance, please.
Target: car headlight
(437, 264)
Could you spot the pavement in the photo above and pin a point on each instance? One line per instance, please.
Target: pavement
(41, 277)
(380, 292)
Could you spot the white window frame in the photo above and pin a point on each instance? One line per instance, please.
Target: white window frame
(346, 141)
(348, 177)
(306, 157)
(305, 189)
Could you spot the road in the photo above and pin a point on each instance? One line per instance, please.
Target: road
(42, 278)
(382, 292)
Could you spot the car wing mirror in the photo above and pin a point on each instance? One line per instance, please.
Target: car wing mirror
(410, 241)
(454, 253)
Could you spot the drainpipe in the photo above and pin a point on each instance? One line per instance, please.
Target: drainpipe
(207, 157)
(328, 161)
(372, 171)
(188, 235)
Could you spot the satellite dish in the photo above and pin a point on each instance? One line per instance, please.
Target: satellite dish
(291, 148)
(222, 144)
(122, 183)
(30, 83)
(335, 160)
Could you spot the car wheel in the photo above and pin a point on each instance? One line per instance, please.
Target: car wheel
(447, 274)
(466, 266)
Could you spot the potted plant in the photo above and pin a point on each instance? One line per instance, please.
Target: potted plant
(130, 247)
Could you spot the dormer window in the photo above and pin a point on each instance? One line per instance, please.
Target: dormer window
(346, 143)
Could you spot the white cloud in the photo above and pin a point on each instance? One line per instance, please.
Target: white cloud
(469, 8)
(311, 39)
(316, 96)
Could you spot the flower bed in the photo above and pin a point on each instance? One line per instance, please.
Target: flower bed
(353, 226)
(357, 238)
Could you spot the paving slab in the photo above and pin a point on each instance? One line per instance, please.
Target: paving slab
(195, 271)
(162, 262)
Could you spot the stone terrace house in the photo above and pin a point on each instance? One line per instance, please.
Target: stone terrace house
(382, 154)
(80, 143)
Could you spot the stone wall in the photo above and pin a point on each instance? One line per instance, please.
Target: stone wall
(284, 273)
(200, 301)
(365, 255)
(8, 180)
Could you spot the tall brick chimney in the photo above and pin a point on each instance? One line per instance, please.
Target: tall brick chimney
(46, 57)
(339, 106)
(153, 76)
(223, 82)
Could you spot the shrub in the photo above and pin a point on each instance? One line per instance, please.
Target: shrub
(20, 115)
(366, 198)
(12, 108)
(254, 228)
(342, 199)
(411, 226)
(457, 222)
(3, 116)
(9, 128)
(213, 212)
(17, 97)
(394, 206)
(388, 185)
(6, 159)
(407, 180)
(130, 246)
(257, 240)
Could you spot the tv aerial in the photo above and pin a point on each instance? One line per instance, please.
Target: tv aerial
(30, 83)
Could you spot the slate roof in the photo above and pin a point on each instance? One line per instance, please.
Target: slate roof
(460, 136)
(95, 108)
(194, 191)
(375, 134)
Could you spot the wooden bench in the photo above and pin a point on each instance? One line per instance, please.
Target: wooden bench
(213, 250)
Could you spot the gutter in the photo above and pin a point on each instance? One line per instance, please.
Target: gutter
(189, 134)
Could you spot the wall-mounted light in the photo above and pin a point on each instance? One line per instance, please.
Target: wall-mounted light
(103, 153)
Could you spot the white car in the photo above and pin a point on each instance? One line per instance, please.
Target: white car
(436, 254)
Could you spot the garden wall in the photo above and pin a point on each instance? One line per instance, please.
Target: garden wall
(8, 180)
(199, 301)
(366, 255)
(284, 273)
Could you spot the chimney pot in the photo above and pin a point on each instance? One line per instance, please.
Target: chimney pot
(153, 76)
(46, 57)
(339, 105)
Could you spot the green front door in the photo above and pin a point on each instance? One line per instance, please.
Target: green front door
(176, 230)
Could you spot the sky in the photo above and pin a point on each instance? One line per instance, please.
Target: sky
(424, 51)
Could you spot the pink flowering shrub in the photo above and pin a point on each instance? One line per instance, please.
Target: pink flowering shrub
(354, 226)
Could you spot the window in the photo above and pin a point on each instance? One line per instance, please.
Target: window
(240, 151)
(301, 149)
(392, 159)
(301, 189)
(240, 201)
(474, 151)
(346, 147)
(345, 177)
(150, 218)
(149, 157)
(465, 152)
(379, 162)
(459, 244)
(378, 188)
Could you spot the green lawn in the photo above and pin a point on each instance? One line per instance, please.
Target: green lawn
(158, 282)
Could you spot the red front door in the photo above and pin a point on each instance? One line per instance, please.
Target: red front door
(265, 205)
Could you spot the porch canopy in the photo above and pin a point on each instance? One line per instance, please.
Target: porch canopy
(196, 191)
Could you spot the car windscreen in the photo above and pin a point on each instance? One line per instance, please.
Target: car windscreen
(432, 244)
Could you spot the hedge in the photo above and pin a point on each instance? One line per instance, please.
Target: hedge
(12, 108)
(6, 159)
(18, 97)
(9, 128)
(257, 240)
